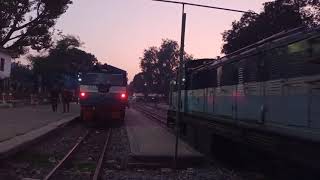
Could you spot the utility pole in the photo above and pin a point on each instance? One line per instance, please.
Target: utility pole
(179, 81)
(181, 64)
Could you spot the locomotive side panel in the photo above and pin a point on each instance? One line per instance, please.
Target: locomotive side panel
(210, 101)
(268, 96)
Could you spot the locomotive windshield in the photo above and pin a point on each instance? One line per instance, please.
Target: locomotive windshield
(102, 78)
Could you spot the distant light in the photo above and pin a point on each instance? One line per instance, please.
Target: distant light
(123, 95)
(184, 79)
(82, 94)
(80, 79)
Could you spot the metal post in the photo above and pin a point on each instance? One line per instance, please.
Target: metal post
(3, 98)
(179, 80)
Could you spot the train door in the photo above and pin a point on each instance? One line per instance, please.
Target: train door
(219, 106)
(210, 100)
(234, 95)
(208, 79)
(295, 94)
(192, 93)
(200, 100)
(225, 103)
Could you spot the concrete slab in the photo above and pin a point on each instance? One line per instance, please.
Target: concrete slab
(148, 140)
(18, 121)
(21, 126)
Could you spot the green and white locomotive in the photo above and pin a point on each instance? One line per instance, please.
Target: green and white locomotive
(266, 95)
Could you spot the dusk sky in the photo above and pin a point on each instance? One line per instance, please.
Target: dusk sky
(117, 31)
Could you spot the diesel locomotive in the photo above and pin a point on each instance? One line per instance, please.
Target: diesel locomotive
(266, 95)
(103, 95)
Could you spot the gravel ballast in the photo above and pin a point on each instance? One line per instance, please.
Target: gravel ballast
(118, 153)
(38, 159)
(83, 161)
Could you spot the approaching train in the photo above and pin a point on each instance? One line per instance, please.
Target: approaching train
(103, 95)
(266, 95)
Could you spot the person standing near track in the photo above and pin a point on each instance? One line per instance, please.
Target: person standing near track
(66, 98)
(54, 96)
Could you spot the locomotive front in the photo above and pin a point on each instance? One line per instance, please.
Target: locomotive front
(103, 96)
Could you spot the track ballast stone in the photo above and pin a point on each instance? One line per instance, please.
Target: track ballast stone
(118, 153)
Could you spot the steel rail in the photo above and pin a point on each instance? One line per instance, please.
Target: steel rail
(101, 158)
(153, 107)
(154, 116)
(145, 107)
(51, 173)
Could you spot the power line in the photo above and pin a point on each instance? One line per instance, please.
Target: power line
(206, 6)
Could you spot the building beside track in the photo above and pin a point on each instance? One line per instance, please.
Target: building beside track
(5, 69)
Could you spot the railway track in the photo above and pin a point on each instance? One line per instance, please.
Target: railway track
(88, 137)
(249, 162)
(150, 113)
(158, 108)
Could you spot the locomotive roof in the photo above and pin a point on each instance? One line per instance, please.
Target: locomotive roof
(198, 62)
(109, 69)
(277, 40)
(194, 64)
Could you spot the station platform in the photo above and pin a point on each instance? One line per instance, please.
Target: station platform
(149, 142)
(22, 125)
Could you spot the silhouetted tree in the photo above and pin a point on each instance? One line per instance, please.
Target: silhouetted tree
(159, 65)
(277, 16)
(65, 58)
(138, 83)
(29, 23)
(148, 65)
(168, 60)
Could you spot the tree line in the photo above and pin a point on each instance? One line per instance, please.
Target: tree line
(29, 24)
(63, 59)
(276, 16)
(158, 66)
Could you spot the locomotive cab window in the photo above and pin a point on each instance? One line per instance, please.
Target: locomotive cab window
(300, 48)
(306, 48)
(302, 58)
